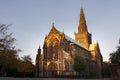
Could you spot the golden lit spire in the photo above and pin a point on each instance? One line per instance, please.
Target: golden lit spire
(53, 30)
(82, 27)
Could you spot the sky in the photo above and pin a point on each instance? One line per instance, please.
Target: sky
(32, 20)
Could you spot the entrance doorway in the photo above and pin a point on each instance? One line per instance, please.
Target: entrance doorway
(52, 69)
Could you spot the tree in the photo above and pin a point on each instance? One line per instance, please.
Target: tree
(26, 67)
(79, 63)
(6, 40)
(8, 53)
(115, 56)
(10, 63)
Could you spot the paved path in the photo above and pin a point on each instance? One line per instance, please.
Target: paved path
(7, 78)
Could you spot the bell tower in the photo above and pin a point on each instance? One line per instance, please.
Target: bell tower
(83, 36)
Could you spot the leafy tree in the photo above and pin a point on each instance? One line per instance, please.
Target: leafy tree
(115, 56)
(79, 63)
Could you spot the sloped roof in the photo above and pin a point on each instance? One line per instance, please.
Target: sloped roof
(72, 40)
(66, 37)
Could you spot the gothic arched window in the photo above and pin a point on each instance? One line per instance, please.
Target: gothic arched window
(66, 66)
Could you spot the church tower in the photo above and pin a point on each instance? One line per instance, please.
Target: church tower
(58, 50)
(83, 36)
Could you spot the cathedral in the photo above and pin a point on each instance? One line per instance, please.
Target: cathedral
(56, 57)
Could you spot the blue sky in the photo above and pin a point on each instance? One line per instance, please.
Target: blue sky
(32, 19)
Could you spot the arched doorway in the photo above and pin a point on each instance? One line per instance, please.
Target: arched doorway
(52, 69)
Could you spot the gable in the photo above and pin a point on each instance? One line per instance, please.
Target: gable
(55, 36)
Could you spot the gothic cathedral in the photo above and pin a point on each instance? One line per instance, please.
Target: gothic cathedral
(58, 50)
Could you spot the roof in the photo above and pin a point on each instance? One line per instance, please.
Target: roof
(67, 37)
(72, 40)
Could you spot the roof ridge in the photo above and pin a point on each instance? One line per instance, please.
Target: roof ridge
(71, 39)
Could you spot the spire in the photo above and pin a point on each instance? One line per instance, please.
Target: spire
(97, 43)
(53, 30)
(39, 47)
(45, 38)
(39, 50)
(53, 26)
(98, 48)
(82, 27)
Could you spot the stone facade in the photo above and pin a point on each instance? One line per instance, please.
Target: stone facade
(58, 50)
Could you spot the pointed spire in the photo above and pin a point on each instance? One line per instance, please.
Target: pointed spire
(45, 38)
(53, 24)
(39, 50)
(39, 47)
(97, 44)
(82, 27)
(53, 28)
(98, 48)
